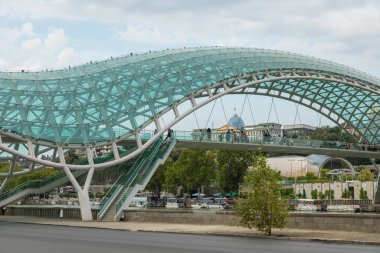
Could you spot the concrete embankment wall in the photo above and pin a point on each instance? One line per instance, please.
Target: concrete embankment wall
(47, 212)
(363, 222)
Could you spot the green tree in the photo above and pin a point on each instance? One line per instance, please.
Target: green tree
(157, 182)
(346, 194)
(335, 133)
(263, 207)
(324, 174)
(365, 175)
(321, 195)
(314, 194)
(232, 167)
(193, 170)
(311, 177)
(37, 175)
(329, 194)
(363, 194)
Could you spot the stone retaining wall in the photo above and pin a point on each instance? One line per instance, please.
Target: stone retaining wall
(362, 222)
(47, 212)
(181, 216)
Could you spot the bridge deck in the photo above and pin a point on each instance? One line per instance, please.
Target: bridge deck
(277, 148)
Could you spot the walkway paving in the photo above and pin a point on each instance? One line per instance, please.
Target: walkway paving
(329, 236)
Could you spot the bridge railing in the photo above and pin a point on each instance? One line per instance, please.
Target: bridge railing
(271, 140)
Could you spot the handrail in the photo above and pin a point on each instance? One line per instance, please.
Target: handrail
(36, 183)
(121, 202)
(105, 200)
(130, 175)
(31, 184)
(273, 140)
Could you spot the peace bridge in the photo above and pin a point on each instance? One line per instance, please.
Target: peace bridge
(113, 102)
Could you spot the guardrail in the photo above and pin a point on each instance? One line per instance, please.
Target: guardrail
(241, 137)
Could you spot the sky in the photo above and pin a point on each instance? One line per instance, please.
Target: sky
(40, 34)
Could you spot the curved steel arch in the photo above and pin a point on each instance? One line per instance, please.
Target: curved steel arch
(103, 103)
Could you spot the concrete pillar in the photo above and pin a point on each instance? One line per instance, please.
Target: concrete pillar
(84, 199)
(85, 205)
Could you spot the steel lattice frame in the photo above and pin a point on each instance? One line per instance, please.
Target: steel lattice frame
(104, 103)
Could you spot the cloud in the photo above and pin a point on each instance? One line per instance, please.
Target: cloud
(31, 44)
(22, 48)
(66, 55)
(343, 30)
(137, 34)
(55, 39)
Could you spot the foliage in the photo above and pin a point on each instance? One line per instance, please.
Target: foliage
(363, 194)
(4, 167)
(321, 195)
(335, 133)
(232, 167)
(194, 169)
(364, 175)
(324, 175)
(99, 195)
(263, 207)
(38, 175)
(310, 177)
(346, 194)
(287, 193)
(329, 194)
(157, 182)
(314, 194)
(69, 194)
(70, 156)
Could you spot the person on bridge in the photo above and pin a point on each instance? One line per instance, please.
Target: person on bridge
(235, 139)
(220, 137)
(209, 134)
(228, 135)
(169, 134)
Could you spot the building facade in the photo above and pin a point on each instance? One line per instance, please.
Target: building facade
(297, 130)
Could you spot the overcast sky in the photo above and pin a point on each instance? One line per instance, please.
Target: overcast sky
(39, 34)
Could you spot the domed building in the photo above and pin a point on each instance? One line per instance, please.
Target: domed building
(234, 124)
(236, 121)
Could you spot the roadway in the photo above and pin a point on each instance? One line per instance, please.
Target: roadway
(31, 238)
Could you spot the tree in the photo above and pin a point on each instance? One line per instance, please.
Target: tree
(314, 194)
(365, 175)
(232, 167)
(363, 194)
(38, 175)
(321, 195)
(329, 194)
(193, 170)
(263, 207)
(311, 177)
(335, 133)
(157, 182)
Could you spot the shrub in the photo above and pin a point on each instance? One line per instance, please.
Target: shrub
(314, 194)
